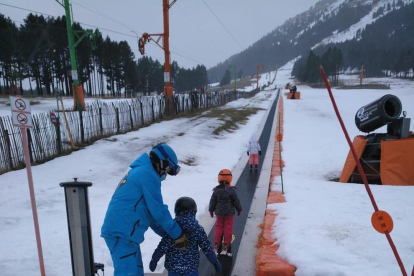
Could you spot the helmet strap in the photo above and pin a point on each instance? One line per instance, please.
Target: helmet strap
(156, 163)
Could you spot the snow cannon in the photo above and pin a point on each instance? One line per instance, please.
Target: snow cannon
(386, 158)
(383, 111)
(293, 93)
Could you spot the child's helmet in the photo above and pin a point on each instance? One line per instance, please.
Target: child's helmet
(225, 176)
(184, 204)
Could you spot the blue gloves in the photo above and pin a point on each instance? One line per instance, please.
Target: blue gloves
(217, 266)
(248, 153)
(153, 265)
(156, 256)
(212, 258)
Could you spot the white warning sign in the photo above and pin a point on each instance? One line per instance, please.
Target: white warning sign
(21, 112)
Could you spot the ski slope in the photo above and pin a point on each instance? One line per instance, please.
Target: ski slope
(323, 228)
(104, 164)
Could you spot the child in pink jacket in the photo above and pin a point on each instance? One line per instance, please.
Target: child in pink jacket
(254, 151)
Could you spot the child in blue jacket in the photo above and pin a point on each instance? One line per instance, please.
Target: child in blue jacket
(179, 262)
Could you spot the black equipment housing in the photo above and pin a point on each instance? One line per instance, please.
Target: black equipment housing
(380, 112)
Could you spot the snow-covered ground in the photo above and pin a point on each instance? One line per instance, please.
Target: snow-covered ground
(324, 227)
(104, 164)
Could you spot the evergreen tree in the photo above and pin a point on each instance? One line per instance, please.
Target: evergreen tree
(8, 53)
(240, 74)
(226, 78)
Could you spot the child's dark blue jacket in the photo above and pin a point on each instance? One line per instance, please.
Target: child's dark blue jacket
(185, 261)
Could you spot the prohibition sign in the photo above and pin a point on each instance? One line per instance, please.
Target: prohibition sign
(22, 118)
(20, 104)
(53, 118)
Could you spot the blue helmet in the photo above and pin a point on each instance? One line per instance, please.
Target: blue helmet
(166, 154)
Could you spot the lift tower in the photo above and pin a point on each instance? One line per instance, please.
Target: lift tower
(77, 87)
(168, 90)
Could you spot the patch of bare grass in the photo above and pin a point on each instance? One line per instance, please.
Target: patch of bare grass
(110, 139)
(180, 134)
(231, 117)
(191, 161)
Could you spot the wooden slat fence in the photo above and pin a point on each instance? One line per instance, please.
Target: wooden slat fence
(100, 119)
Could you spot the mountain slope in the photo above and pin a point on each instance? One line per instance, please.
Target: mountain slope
(329, 21)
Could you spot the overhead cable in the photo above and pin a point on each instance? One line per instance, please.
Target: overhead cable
(223, 25)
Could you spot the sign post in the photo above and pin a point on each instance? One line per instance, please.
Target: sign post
(22, 117)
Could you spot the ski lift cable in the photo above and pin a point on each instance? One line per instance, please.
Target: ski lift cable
(196, 25)
(27, 10)
(223, 25)
(92, 9)
(54, 16)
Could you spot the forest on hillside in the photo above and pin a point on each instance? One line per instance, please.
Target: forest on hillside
(385, 47)
(38, 51)
(294, 37)
(389, 38)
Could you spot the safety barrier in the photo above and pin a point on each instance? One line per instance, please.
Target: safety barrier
(267, 261)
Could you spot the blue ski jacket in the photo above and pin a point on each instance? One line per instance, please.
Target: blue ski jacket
(137, 204)
(185, 262)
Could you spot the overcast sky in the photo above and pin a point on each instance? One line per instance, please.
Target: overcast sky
(196, 35)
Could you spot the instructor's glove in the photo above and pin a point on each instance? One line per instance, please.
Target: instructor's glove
(211, 214)
(181, 242)
(212, 258)
(248, 153)
(260, 152)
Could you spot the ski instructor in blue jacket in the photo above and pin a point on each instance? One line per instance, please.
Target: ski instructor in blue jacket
(136, 205)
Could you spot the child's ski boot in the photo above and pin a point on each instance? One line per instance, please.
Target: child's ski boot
(224, 249)
(215, 248)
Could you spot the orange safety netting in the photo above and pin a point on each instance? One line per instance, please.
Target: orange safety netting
(349, 166)
(268, 263)
(397, 162)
